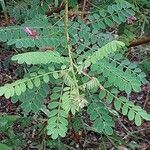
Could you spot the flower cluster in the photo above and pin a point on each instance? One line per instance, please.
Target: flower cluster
(31, 33)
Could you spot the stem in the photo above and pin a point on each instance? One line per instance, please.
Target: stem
(85, 74)
(83, 9)
(14, 83)
(68, 44)
(66, 32)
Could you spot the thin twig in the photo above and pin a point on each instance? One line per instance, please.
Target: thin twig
(133, 132)
(83, 9)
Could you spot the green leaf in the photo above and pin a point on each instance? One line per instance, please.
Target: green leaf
(3, 36)
(125, 80)
(136, 88)
(128, 88)
(53, 112)
(102, 94)
(55, 96)
(55, 75)
(7, 93)
(39, 58)
(109, 22)
(17, 90)
(53, 105)
(117, 104)
(108, 130)
(62, 132)
(125, 109)
(55, 134)
(46, 78)
(144, 115)
(142, 74)
(63, 67)
(98, 125)
(116, 19)
(110, 9)
(109, 98)
(101, 25)
(131, 114)
(4, 147)
(19, 44)
(106, 50)
(37, 82)
(23, 87)
(138, 120)
(63, 121)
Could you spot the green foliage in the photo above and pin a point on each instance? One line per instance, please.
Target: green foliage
(121, 76)
(6, 121)
(144, 3)
(32, 100)
(126, 33)
(92, 84)
(31, 80)
(71, 101)
(57, 123)
(36, 58)
(16, 34)
(83, 71)
(112, 15)
(102, 121)
(63, 101)
(144, 65)
(4, 147)
(105, 51)
(126, 107)
(27, 9)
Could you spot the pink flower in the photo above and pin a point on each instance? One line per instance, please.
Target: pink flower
(131, 19)
(31, 33)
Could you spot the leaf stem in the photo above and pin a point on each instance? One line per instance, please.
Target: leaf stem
(68, 44)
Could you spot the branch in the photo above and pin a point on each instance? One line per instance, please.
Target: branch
(83, 9)
(143, 40)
